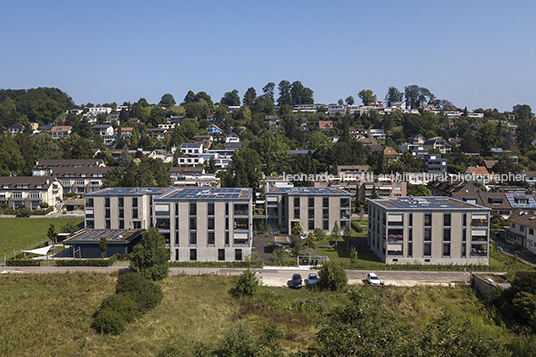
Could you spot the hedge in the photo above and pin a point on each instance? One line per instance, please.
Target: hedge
(86, 262)
(23, 263)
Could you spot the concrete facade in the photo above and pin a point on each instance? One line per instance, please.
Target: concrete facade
(428, 230)
(312, 207)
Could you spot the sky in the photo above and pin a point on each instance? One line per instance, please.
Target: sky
(477, 54)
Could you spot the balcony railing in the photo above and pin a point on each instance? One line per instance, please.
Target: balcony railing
(397, 253)
(479, 222)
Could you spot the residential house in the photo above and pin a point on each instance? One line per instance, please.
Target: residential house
(107, 133)
(113, 116)
(311, 207)
(357, 133)
(158, 133)
(334, 109)
(16, 129)
(214, 129)
(389, 154)
(59, 132)
(529, 176)
(232, 138)
(368, 141)
(382, 187)
(434, 164)
(99, 110)
(161, 154)
(271, 119)
(428, 230)
(85, 243)
(479, 173)
(30, 191)
(437, 143)
(521, 231)
(76, 176)
(417, 139)
(198, 224)
(376, 134)
(192, 148)
(305, 108)
(125, 132)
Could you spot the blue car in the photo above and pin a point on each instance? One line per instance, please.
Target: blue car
(312, 279)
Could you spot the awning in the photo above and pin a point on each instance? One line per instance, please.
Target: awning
(40, 251)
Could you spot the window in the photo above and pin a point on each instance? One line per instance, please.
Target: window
(428, 219)
(325, 202)
(464, 249)
(176, 238)
(221, 254)
(176, 254)
(311, 224)
(522, 228)
(107, 213)
(210, 223)
(296, 202)
(193, 223)
(193, 254)
(121, 213)
(121, 224)
(427, 251)
(193, 238)
(193, 209)
(107, 202)
(446, 249)
(121, 202)
(135, 202)
(134, 213)
(446, 234)
(210, 209)
(410, 219)
(238, 254)
(89, 202)
(210, 238)
(325, 225)
(410, 249)
(428, 234)
(107, 224)
(311, 201)
(226, 239)
(531, 231)
(136, 224)
(446, 220)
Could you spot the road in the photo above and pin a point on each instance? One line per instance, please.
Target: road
(280, 276)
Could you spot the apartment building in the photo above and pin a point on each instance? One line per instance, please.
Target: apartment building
(383, 186)
(522, 231)
(30, 191)
(312, 207)
(77, 175)
(428, 230)
(199, 224)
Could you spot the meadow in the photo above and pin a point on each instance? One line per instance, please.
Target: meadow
(28, 233)
(51, 314)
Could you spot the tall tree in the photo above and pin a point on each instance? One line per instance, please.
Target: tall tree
(284, 93)
(167, 100)
(367, 96)
(350, 100)
(231, 98)
(249, 97)
(269, 89)
(393, 95)
(150, 257)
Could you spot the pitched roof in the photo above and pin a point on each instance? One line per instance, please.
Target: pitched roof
(325, 123)
(389, 151)
(31, 181)
(527, 220)
(478, 170)
(61, 128)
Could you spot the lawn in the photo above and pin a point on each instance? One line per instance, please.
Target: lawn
(28, 233)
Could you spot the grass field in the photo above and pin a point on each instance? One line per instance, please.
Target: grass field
(27, 233)
(51, 314)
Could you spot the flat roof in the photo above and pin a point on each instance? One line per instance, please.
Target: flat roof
(317, 191)
(112, 235)
(435, 203)
(207, 194)
(128, 191)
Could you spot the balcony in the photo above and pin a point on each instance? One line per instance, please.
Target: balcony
(395, 238)
(397, 253)
(479, 222)
(35, 196)
(15, 197)
(479, 239)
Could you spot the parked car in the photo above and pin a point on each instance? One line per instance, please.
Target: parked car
(312, 279)
(373, 279)
(23, 215)
(296, 282)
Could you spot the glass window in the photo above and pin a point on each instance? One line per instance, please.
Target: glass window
(428, 219)
(134, 201)
(210, 209)
(446, 220)
(446, 249)
(193, 238)
(193, 223)
(238, 254)
(427, 251)
(446, 234)
(107, 202)
(193, 254)
(210, 238)
(221, 254)
(210, 223)
(193, 209)
(121, 202)
(428, 234)
(134, 213)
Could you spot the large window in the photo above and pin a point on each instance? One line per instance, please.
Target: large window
(428, 234)
(446, 220)
(428, 219)
(193, 209)
(427, 251)
(210, 209)
(238, 254)
(221, 254)
(193, 254)
(193, 238)
(210, 238)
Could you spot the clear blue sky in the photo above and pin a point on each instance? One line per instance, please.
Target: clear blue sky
(474, 53)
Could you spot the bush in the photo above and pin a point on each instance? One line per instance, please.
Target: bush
(87, 262)
(124, 304)
(23, 263)
(246, 284)
(332, 277)
(144, 292)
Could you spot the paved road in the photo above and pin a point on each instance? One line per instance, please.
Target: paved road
(280, 276)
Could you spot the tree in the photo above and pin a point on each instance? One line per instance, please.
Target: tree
(231, 98)
(269, 90)
(347, 235)
(246, 284)
(367, 96)
(51, 233)
(167, 100)
(284, 93)
(125, 158)
(332, 276)
(350, 100)
(249, 97)
(420, 190)
(393, 95)
(69, 227)
(336, 232)
(311, 240)
(297, 229)
(189, 98)
(150, 257)
(103, 246)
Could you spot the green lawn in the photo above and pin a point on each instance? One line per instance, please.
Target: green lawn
(27, 233)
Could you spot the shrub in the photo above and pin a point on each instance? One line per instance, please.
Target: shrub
(144, 292)
(246, 284)
(114, 313)
(151, 257)
(23, 263)
(332, 277)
